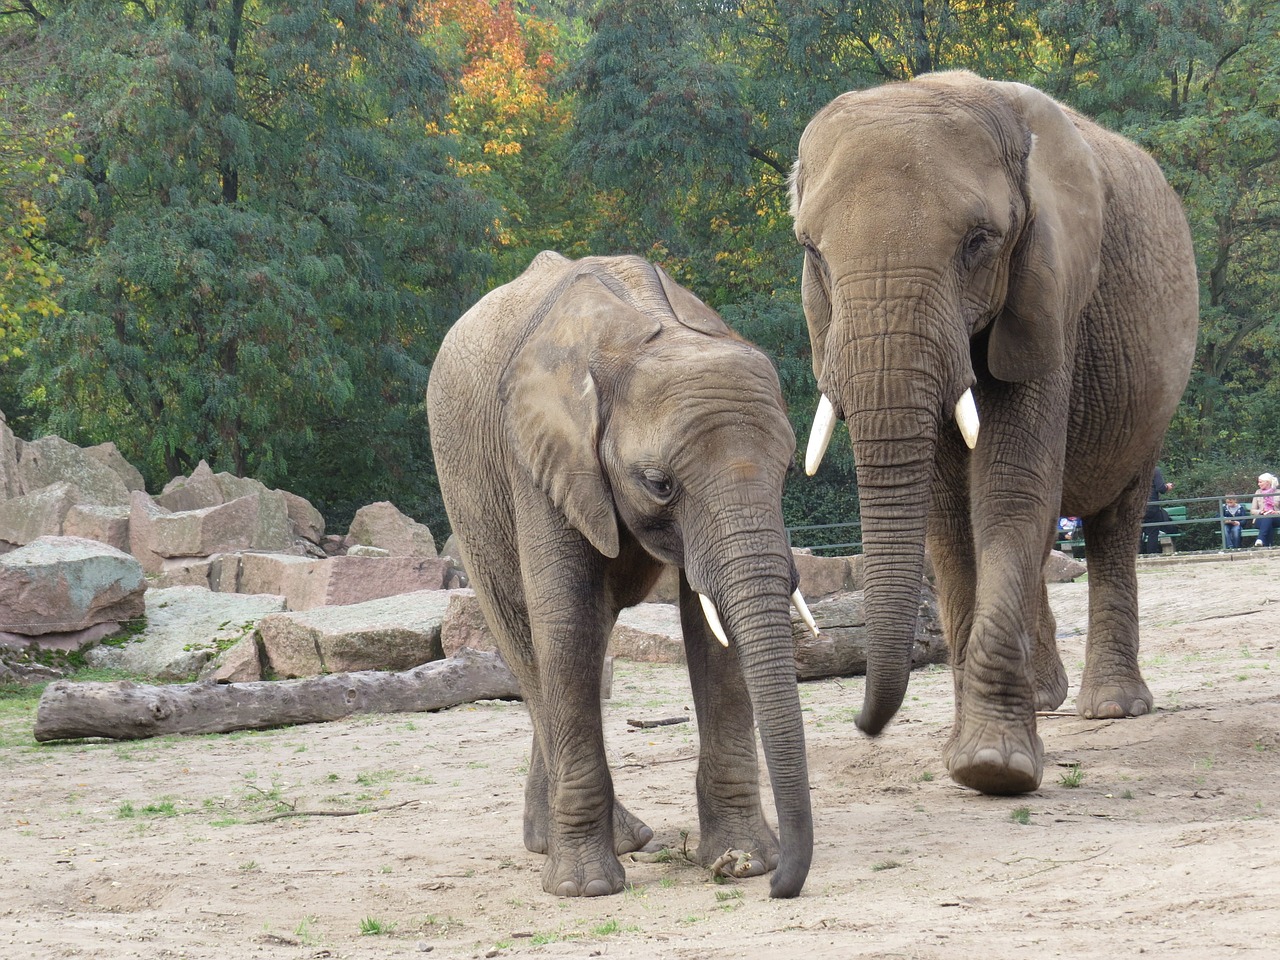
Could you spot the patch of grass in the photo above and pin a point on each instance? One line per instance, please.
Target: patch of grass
(926, 777)
(885, 865)
(306, 932)
(1127, 795)
(1073, 777)
(373, 927)
(248, 866)
(1021, 815)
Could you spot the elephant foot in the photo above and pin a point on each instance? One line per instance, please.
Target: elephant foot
(738, 849)
(1050, 682)
(995, 758)
(589, 873)
(1051, 690)
(629, 832)
(1114, 699)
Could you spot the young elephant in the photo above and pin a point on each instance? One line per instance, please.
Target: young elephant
(592, 421)
(967, 240)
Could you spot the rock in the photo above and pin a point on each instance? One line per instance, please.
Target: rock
(338, 581)
(360, 550)
(186, 627)
(184, 572)
(453, 549)
(464, 624)
(64, 641)
(306, 520)
(51, 460)
(41, 514)
(67, 584)
(104, 524)
(1062, 568)
(240, 663)
(822, 577)
(9, 447)
(195, 492)
(110, 456)
(394, 633)
(649, 633)
(382, 525)
(255, 522)
(143, 513)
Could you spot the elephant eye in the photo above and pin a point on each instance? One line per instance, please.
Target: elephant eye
(978, 241)
(657, 483)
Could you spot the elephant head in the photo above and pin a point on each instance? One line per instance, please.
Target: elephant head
(951, 229)
(645, 420)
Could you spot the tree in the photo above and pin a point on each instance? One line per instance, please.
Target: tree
(266, 243)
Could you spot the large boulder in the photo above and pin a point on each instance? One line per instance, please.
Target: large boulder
(61, 585)
(104, 524)
(649, 633)
(394, 633)
(186, 628)
(382, 525)
(338, 581)
(27, 518)
(259, 521)
(110, 456)
(195, 492)
(9, 448)
(51, 460)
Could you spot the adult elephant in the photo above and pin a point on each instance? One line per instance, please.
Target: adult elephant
(973, 246)
(592, 421)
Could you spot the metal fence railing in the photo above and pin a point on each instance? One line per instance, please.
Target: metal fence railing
(1202, 529)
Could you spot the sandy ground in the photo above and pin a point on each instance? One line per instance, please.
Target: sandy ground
(1168, 845)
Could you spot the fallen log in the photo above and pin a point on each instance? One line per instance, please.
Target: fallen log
(132, 711)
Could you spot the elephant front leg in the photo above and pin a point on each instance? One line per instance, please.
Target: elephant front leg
(730, 815)
(1112, 685)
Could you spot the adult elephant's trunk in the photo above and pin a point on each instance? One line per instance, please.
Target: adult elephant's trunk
(894, 499)
(896, 379)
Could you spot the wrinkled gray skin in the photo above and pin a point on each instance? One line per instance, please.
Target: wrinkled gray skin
(967, 233)
(592, 421)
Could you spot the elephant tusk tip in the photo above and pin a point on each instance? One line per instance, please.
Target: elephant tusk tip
(967, 419)
(713, 619)
(824, 425)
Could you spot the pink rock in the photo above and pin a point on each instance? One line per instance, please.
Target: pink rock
(382, 525)
(67, 584)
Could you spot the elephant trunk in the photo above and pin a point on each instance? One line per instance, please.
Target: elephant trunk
(753, 598)
(897, 380)
(894, 501)
(767, 653)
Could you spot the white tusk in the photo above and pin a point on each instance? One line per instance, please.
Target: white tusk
(967, 418)
(824, 425)
(713, 619)
(803, 608)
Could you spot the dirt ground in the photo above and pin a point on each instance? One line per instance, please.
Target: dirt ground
(1166, 842)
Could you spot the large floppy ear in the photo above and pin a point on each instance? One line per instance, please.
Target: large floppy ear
(1054, 266)
(553, 407)
(690, 311)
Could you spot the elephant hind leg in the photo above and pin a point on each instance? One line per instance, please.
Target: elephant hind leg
(630, 833)
(1112, 685)
(1051, 676)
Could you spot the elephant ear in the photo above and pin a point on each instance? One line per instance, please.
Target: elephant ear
(1054, 266)
(690, 311)
(552, 401)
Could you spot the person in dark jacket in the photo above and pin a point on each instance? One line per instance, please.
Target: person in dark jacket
(1155, 514)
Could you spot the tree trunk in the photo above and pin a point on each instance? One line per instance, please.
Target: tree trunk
(132, 711)
(840, 649)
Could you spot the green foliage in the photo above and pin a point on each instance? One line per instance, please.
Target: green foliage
(238, 231)
(266, 243)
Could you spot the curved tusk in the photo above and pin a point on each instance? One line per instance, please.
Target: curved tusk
(967, 418)
(824, 425)
(713, 619)
(803, 609)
